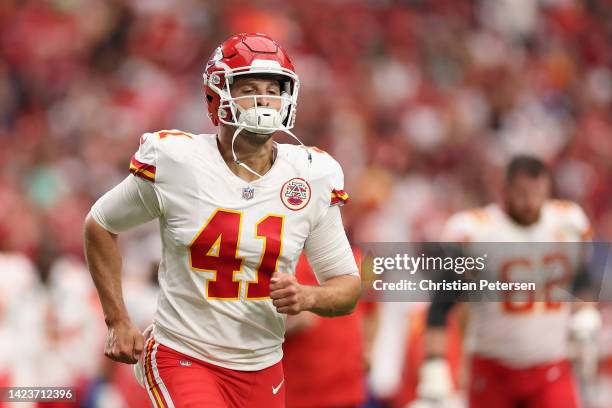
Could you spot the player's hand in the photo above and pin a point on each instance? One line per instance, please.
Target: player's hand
(435, 381)
(585, 323)
(124, 342)
(287, 295)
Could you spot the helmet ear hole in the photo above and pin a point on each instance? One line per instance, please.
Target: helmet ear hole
(286, 109)
(286, 87)
(209, 98)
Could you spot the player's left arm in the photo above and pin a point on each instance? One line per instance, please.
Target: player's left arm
(582, 283)
(330, 255)
(585, 322)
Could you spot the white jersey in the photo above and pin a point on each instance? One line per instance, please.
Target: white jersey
(518, 331)
(223, 237)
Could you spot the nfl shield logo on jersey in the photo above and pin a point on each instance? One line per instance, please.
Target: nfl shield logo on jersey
(295, 194)
(248, 193)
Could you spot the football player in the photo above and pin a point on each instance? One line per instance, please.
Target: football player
(235, 209)
(518, 346)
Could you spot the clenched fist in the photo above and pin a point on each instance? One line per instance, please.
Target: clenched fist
(287, 295)
(124, 342)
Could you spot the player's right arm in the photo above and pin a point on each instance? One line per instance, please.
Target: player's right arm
(132, 202)
(457, 229)
(435, 381)
(123, 341)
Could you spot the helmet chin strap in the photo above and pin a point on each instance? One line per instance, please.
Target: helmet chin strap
(238, 162)
(240, 128)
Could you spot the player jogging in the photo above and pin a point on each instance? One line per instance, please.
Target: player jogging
(235, 211)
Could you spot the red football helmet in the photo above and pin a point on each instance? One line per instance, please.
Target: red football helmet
(250, 54)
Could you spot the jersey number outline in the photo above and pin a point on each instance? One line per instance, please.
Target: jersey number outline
(551, 260)
(215, 249)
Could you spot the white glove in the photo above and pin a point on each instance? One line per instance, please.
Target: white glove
(435, 381)
(435, 389)
(139, 368)
(585, 324)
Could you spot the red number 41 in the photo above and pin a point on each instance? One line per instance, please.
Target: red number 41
(215, 249)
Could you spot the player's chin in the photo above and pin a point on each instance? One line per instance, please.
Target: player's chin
(256, 138)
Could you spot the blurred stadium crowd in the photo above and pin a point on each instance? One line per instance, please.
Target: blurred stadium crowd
(421, 101)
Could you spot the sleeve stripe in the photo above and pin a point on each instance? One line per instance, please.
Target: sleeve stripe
(165, 133)
(339, 197)
(142, 170)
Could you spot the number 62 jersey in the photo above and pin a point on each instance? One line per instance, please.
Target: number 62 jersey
(519, 329)
(224, 237)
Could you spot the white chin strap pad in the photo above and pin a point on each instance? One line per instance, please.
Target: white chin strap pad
(260, 120)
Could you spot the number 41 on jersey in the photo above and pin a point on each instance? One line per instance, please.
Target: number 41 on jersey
(215, 249)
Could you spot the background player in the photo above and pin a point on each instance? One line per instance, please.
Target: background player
(519, 347)
(235, 212)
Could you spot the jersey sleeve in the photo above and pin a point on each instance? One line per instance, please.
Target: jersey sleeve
(130, 203)
(328, 250)
(339, 196)
(329, 169)
(144, 161)
(458, 228)
(580, 222)
(327, 178)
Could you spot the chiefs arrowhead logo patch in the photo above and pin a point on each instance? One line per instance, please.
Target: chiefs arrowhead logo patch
(295, 194)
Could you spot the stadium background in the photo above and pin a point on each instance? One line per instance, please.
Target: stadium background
(421, 101)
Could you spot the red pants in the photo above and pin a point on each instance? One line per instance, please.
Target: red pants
(176, 380)
(544, 386)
